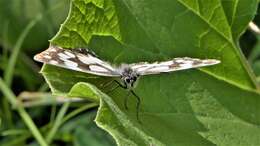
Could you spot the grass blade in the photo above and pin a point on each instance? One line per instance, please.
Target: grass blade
(25, 116)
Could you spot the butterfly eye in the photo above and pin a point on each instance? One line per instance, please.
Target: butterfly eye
(127, 80)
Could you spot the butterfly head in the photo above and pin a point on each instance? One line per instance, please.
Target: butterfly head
(129, 77)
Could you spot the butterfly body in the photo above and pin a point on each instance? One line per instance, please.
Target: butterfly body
(128, 76)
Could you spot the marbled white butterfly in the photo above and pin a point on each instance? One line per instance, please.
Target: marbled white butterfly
(86, 61)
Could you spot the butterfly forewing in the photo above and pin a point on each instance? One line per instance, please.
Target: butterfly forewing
(172, 65)
(76, 60)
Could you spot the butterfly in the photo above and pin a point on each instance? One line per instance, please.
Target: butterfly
(86, 61)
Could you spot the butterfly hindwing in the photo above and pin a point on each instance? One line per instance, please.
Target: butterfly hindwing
(78, 60)
(172, 65)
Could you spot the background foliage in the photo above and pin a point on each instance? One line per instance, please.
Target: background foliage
(191, 104)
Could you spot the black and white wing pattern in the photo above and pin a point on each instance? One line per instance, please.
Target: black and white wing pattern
(76, 59)
(176, 64)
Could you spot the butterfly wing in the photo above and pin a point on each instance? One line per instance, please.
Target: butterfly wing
(172, 65)
(79, 60)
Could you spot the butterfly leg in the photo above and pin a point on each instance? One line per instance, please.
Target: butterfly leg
(137, 105)
(125, 100)
(103, 86)
(114, 88)
(122, 86)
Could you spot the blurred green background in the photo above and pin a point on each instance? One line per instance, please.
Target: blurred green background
(25, 28)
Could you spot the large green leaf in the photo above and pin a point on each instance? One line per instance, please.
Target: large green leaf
(214, 105)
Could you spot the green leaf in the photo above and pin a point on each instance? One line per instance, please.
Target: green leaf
(215, 105)
(238, 15)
